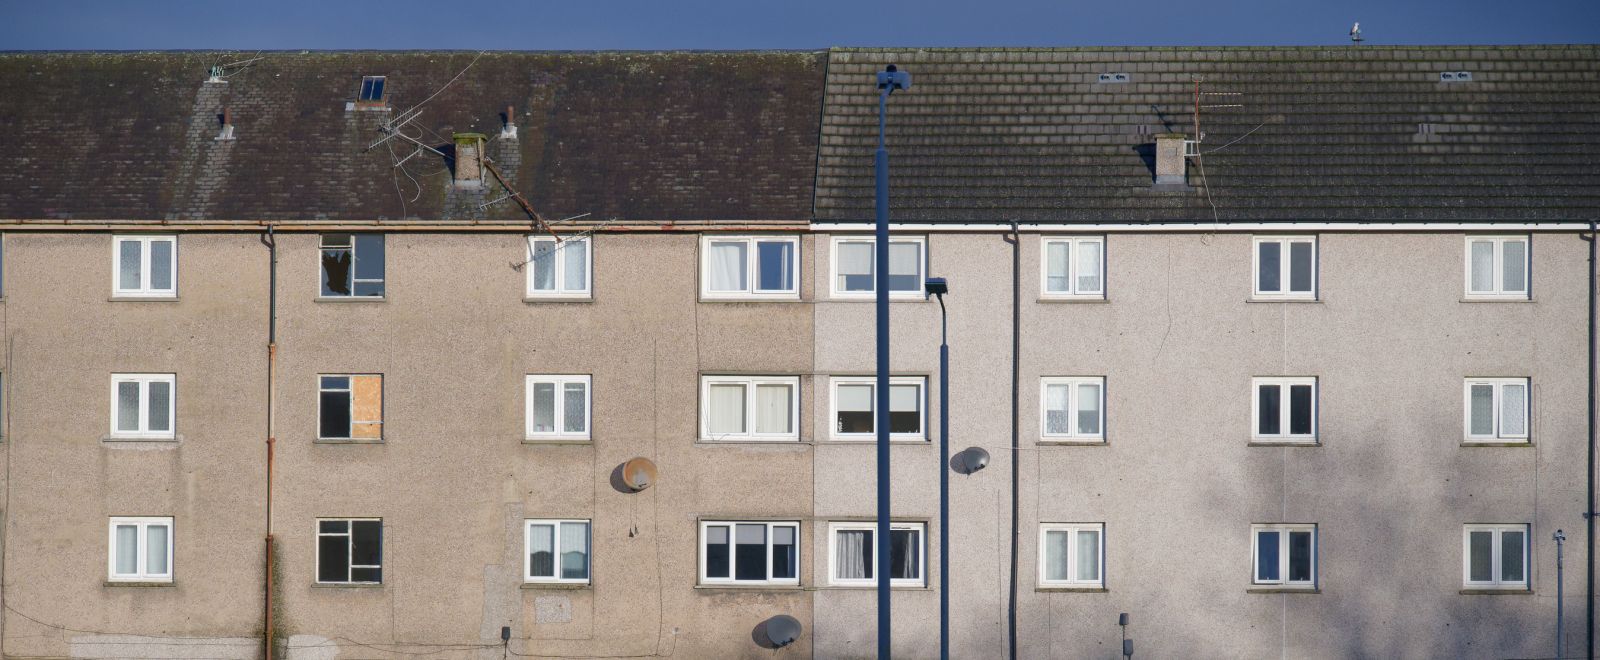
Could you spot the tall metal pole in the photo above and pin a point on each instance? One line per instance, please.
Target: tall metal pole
(1588, 504)
(881, 410)
(944, 484)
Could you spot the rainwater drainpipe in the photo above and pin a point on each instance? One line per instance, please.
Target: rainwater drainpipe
(1016, 451)
(271, 241)
(1588, 505)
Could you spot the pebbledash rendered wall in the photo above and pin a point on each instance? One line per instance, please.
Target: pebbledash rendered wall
(1176, 484)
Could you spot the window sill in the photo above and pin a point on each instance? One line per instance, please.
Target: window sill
(346, 585)
(751, 299)
(749, 441)
(893, 297)
(1492, 299)
(116, 298)
(350, 299)
(871, 440)
(140, 583)
(558, 441)
(1496, 443)
(871, 587)
(347, 441)
(1073, 299)
(1491, 591)
(1057, 442)
(534, 300)
(121, 439)
(1067, 589)
(1282, 300)
(1284, 443)
(1272, 589)
(749, 587)
(557, 586)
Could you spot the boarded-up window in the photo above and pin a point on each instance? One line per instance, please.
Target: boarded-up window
(350, 407)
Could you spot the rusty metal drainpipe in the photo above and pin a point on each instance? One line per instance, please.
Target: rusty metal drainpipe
(271, 242)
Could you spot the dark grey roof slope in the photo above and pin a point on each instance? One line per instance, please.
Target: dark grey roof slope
(644, 136)
(1325, 133)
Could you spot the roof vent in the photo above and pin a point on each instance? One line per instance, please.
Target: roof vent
(1455, 76)
(1171, 166)
(469, 160)
(1114, 77)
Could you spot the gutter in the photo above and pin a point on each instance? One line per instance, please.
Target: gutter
(504, 226)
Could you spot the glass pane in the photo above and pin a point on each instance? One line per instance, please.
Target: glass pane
(1055, 555)
(1513, 410)
(161, 265)
(773, 409)
(1300, 262)
(1058, 278)
(1057, 418)
(1088, 568)
(335, 412)
(155, 550)
(160, 406)
(852, 555)
(1482, 266)
(775, 266)
(1482, 410)
(726, 266)
(905, 407)
(544, 266)
(726, 414)
(542, 551)
(129, 254)
(1511, 556)
(333, 558)
(127, 406)
(377, 89)
(575, 276)
(905, 266)
(1267, 557)
(127, 549)
(574, 414)
(1269, 270)
(1480, 564)
(366, 542)
(1267, 412)
(333, 526)
(544, 407)
(336, 382)
(784, 549)
(1300, 556)
(717, 551)
(336, 272)
(369, 257)
(574, 551)
(750, 552)
(1088, 267)
(366, 574)
(855, 408)
(905, 561)
(1514, 275)
(1089, 409)
(1300, 409)
(855, 266)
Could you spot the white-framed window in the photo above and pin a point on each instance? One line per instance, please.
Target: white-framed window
(1494, 556)
(853, 553)
(1497, 267)
(139, 549)
(371, 90)
(352, 265)
(1284, 409)
(1072, 267)
(750, 267)
(1284, 554)
(854, 259)
(143, 405)
(853, 406)
(145, 267)
(1285, 267)
(558, 407)
(1072, 554)
(559, 269)
(350, 407)
(749, 407)
(1497, 409)
(556, 551)
(749, 552)
(1072, 408)
(349, 550)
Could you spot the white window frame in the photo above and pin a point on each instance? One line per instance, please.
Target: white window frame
(144, 432)
(561, 290)
(1072, 266)
(1284, 413)
(142, 289)
(1072, 383)
(349, 548)
(527, 551)
(833, 550)
(1497, 291)
(1283, 530)
(1495, 557)
(142, 523)
(833, 268)
(733, 568)
(560, 382)
(752, 268)
(833, 407)
(749, 383)
(1072, 530)
(1498, 384)
(1285, 266)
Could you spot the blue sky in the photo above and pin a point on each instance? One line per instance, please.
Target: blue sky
(786, 24)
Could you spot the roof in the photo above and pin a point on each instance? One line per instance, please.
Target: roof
(1323, 133)
(636, 136)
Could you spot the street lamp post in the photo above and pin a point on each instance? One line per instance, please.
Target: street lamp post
(938, 287)
(889, 80)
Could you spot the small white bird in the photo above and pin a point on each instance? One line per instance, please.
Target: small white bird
(1355, 32)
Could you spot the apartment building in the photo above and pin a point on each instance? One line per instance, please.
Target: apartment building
(1318, 390)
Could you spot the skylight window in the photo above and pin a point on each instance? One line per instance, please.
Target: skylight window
(371, 89)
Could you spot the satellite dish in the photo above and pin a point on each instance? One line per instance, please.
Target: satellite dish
(970, 460)
(782, 630)
(638, 473)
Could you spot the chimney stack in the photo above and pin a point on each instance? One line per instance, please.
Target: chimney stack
(509, 130)
(469, 160)
(227, 125)
(1171, 166)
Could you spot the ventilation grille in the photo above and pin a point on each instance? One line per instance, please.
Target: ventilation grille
(1455, 76)
(1115, 77)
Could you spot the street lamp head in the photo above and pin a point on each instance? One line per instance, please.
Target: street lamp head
(1559, 536)
(892, 78)
(936, 286)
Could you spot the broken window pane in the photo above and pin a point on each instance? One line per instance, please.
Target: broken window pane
(336, 271)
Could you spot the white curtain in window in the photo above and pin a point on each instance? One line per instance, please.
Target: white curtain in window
(855, 398)
(544, 407)
(1513, 409)
(855, 266)
(1056, 415)
(850, 555)
(576, 254)
(726, 409)
(1058, 279)
(127, 549)
(1089, 408)
(1482, 410)
(909, 543)
(1088, 267)
(160, 404)
(574, 551)
(1482, 265)
(542, 550)
(572, 408)
(1088, 555)
(905, 260)
(544, 265)
(727, 266)
(161, 265)
(1513, 261)
(127, 406)
(772, 409)
(155, 548)
(1055, 555)
(903, 398)
(131, 252)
